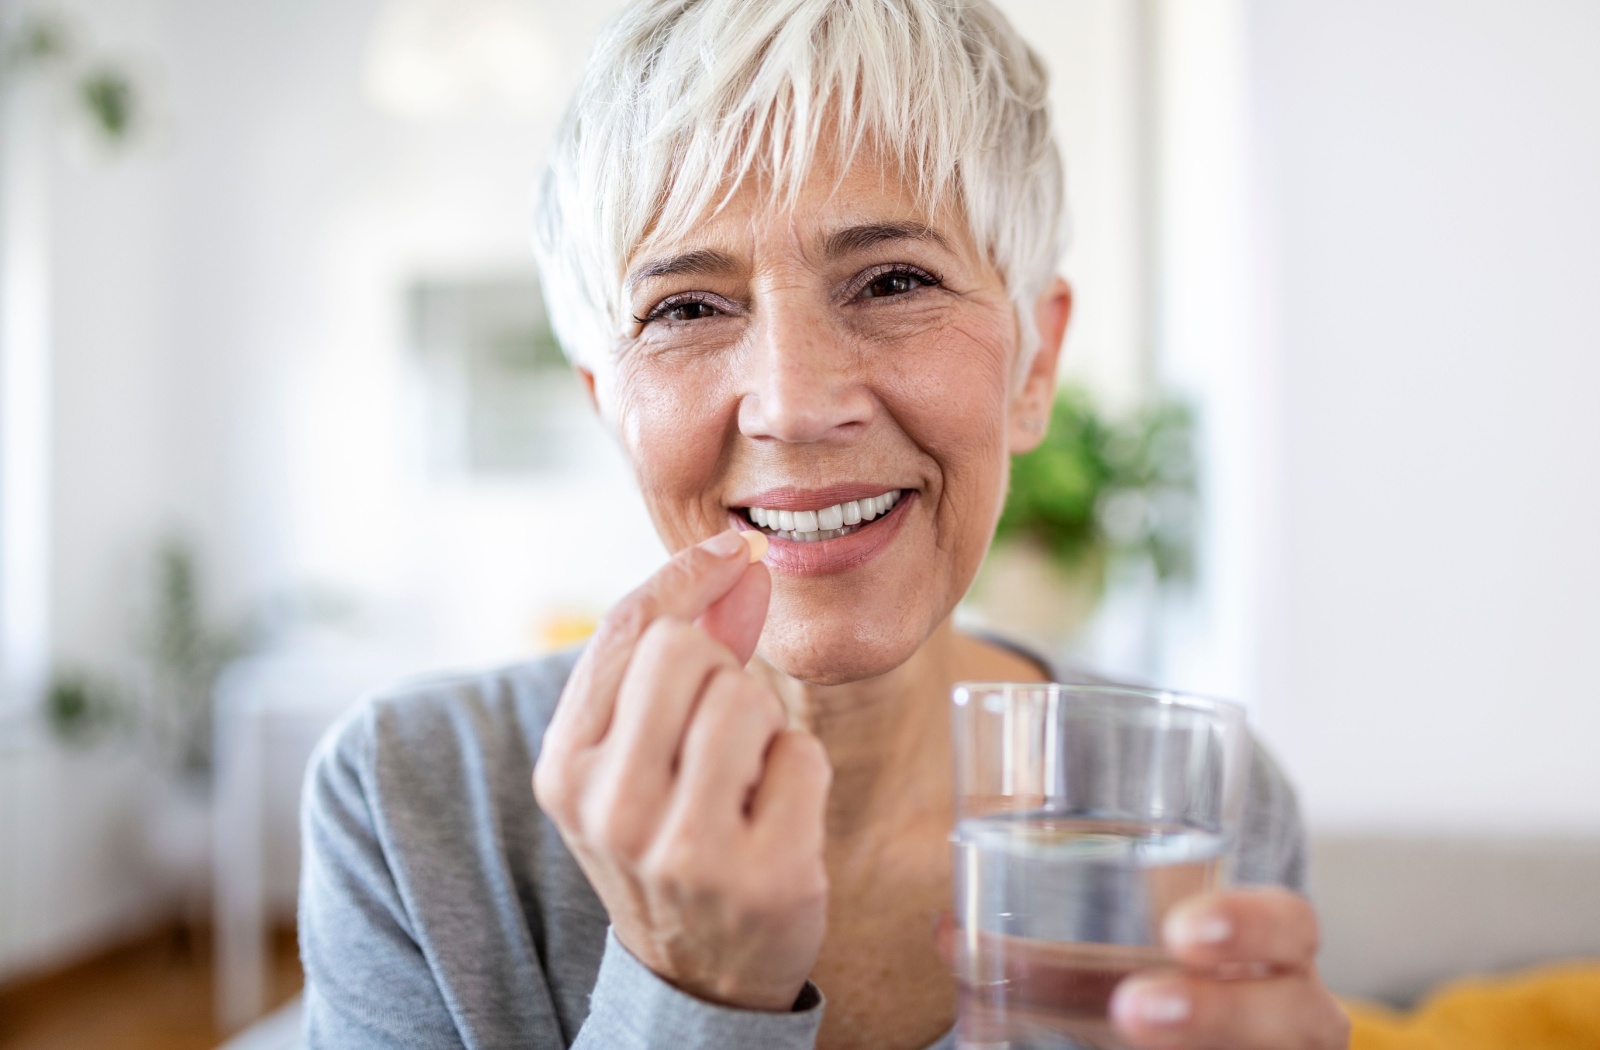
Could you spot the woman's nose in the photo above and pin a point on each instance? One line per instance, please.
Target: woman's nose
(806, 383)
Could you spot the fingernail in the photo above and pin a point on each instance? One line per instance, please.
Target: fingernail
(727, 544)
(1185, 928)
(1158, 1007)
(1163, 1008)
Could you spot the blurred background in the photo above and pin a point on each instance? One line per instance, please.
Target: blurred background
(280, 419)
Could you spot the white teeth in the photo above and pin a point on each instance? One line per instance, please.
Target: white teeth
(809, 526)
(812, 537)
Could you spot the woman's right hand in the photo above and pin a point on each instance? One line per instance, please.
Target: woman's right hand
(697, 815)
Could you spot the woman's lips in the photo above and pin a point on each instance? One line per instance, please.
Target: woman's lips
(820, 557)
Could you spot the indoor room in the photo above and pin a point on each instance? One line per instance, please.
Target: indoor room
(295, 405)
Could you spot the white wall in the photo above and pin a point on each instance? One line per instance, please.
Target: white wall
(1207, 346)
(1430, 177)
(1096, 55)
(70, 822)
(230, 304)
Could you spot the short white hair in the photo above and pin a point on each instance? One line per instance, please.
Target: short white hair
(684, 98)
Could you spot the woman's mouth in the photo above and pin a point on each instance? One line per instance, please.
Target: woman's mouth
(819, 541)
(825, 523)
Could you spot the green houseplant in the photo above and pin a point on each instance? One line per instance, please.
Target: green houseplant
(163, 705)
(166, 708)
(102, 90)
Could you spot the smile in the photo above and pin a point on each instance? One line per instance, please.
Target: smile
(825, 523)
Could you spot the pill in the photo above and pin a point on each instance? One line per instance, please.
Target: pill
(757, 542)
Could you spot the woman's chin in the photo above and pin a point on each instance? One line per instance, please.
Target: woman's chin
(824, 654)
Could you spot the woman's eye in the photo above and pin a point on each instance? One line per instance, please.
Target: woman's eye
(679, 310)
(689, 311)
(892, 284)
(896, 282)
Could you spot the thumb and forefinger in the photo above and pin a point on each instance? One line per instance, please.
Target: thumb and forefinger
(719, 584)
(736, 617)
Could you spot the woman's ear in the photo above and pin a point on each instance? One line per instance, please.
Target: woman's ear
(587, 378)
(1030, 408)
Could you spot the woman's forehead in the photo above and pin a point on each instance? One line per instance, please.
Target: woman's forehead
(833, 214)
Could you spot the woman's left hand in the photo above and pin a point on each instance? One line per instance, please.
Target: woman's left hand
(1249, 979)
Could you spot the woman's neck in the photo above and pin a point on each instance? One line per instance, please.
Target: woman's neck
(889, 737)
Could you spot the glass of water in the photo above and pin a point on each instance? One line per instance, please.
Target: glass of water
(1083, 813)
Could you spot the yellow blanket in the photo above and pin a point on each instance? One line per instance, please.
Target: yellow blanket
(1555, 1008)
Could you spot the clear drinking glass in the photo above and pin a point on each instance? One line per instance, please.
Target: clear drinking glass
(1082, 814)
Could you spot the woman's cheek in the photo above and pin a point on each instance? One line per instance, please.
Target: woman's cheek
(955, 407)
(673, 444)
(957, 384)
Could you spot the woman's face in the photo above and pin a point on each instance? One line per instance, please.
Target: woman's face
(794, 371)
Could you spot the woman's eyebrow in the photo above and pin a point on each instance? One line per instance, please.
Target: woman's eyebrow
(854, 239)
(698, 263)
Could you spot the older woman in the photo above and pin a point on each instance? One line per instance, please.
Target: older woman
(801, 252)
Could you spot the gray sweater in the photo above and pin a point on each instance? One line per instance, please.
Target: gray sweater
(439, 907)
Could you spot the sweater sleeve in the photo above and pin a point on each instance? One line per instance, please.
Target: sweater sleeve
(368, 984)
(370, 981)
(1273, 850)
(633, 1009)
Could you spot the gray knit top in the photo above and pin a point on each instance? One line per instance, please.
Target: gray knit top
(439, 907)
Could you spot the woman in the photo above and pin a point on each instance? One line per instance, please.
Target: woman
(801, 252)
